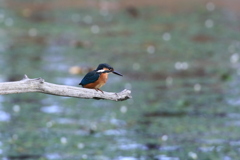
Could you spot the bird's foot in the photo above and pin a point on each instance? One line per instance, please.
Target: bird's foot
(97, 89)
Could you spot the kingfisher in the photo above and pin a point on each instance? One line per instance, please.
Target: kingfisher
(97, 78)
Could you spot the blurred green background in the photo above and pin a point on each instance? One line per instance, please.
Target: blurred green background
(179, 58)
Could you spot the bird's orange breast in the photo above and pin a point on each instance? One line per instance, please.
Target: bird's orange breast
(98, 83)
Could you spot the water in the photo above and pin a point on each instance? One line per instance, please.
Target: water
(184, 84)
(4, 116)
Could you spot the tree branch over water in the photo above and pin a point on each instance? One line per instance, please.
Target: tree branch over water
(39, 85)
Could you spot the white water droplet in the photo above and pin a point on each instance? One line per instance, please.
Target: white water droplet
(177, 65)
(166, 36)
(16, 108)
(184, 65)
(81, 145)
(95, 29)
(209, 23)
(164, 138)
(49, 124)
(210, 6)
(63, 140)
(93, 126)
(234, 58)
(151, 49)
(123, 109)
(192, 155)
(197, 87)
(181, 65)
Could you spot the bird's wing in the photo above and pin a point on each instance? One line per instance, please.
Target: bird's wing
(90, 78)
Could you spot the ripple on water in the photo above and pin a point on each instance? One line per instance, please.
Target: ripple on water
(207, 148)
(233, 123)
(51, 109)
(66, 121)
(164, 157)
(132, 146)
(234, 102)
(115, 132)
(214, 141)
(1, 97)
(169, 148)
(233, 115)
(235, 143)
(117, 122)
(51, 156)
(235, 119)
(124, 143)
(158, 157)
(126, 158)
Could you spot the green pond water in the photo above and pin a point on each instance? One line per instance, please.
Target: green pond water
(182, 69)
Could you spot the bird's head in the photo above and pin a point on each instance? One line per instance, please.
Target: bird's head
(105, 68)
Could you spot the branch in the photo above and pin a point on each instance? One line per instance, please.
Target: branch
(39, 85)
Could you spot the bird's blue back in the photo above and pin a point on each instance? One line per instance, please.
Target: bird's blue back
(90, 77)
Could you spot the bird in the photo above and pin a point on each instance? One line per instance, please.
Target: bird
(97, 78)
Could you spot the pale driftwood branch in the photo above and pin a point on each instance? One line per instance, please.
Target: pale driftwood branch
(39, 85)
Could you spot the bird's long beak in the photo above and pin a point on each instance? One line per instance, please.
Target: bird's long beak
(117, 73)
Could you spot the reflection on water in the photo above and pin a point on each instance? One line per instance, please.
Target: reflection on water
(4, 116)
(233, 123)
(234, 102)
(207, 148)
(157, 157)
(235, 143)
(214, 141)
(53, 156)
(66, 121)
(126, 158)
(234, 115)
(52, 109)
(131, 146)
(169, 148)
(164, 157)
(1, 99)
(115, 132)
